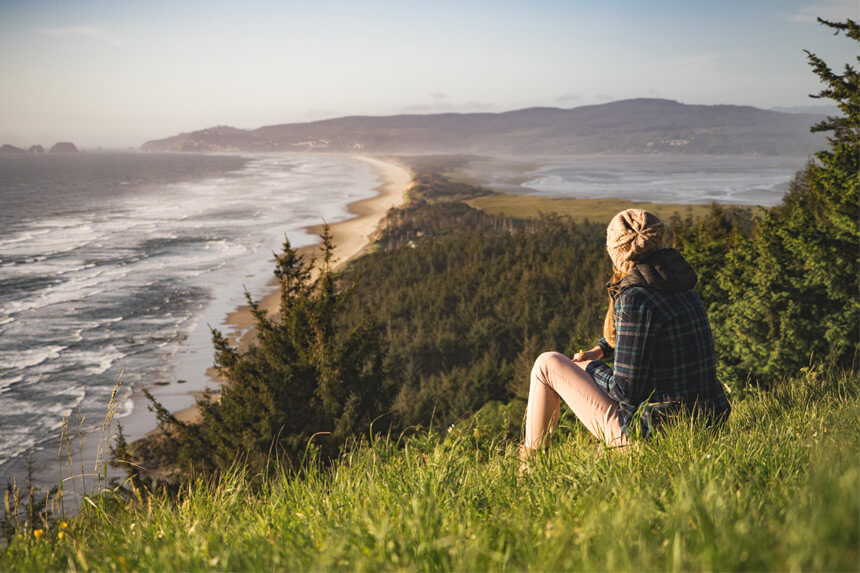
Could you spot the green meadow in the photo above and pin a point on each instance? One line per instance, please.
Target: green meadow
(579, 210)
(776, 489)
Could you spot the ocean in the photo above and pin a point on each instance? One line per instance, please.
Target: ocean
(115, 265)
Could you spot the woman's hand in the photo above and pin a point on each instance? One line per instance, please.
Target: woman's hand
(593, 354)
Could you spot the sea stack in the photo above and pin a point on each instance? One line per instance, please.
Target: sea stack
(6, 148)
(36, 149)
(64, 147)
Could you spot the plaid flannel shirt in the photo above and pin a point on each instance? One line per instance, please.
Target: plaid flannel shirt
(664, 358)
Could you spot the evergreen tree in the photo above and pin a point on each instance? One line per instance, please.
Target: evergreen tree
(789, 292)
(304, 378)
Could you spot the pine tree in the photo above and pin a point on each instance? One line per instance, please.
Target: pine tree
(304, 378)
(789, 293)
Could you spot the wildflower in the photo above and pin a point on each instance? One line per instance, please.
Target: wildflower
(38, 533)
(61, 534)
(63, 525)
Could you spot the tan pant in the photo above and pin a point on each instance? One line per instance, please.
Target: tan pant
(555, 375)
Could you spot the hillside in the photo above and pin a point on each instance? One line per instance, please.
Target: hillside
(776, 490)
(626, 127)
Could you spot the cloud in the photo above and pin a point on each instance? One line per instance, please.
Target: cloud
(318, 114)
(568, 98)
(604, 97)
(478, 105)
(89, 32)
(827, 9)
(427, 108)
(447, 107)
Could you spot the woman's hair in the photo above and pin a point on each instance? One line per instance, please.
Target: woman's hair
(609, 320)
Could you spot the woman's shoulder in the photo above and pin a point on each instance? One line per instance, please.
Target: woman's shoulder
(638, 296)
(666, 305)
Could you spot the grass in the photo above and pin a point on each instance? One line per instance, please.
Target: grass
(595, 210)
(777, 489)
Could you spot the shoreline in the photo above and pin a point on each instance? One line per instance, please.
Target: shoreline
(352, 238)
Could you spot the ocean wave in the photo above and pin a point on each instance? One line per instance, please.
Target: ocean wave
(6, 383)
(20, 359)
(42, 267)
(16, 443)
(76, 288)
(126, 405)
(44, 421)
(22, 237)
(96, 361)
(50, 237)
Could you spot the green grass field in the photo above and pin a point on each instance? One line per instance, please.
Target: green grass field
(777, 489)
(595, 210)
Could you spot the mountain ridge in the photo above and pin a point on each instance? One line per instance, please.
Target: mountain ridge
(641, 125)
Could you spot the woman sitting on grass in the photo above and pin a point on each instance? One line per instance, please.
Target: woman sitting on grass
(656, 328)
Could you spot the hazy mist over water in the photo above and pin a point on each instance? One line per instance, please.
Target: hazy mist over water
(667, 179)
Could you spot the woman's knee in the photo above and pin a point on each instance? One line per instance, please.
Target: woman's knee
(548, 361)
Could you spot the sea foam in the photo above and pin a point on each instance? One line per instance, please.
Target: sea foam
(21, 359)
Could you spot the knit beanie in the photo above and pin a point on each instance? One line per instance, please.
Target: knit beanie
(631, 235)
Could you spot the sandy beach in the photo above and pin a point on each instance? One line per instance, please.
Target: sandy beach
(351, 238)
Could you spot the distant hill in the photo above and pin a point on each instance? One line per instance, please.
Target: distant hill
(64, 147)
(628, 126)
(812, 109)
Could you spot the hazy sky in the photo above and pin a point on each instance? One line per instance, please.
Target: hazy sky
(117, 73)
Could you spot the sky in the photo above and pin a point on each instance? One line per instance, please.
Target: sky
(118, 73)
